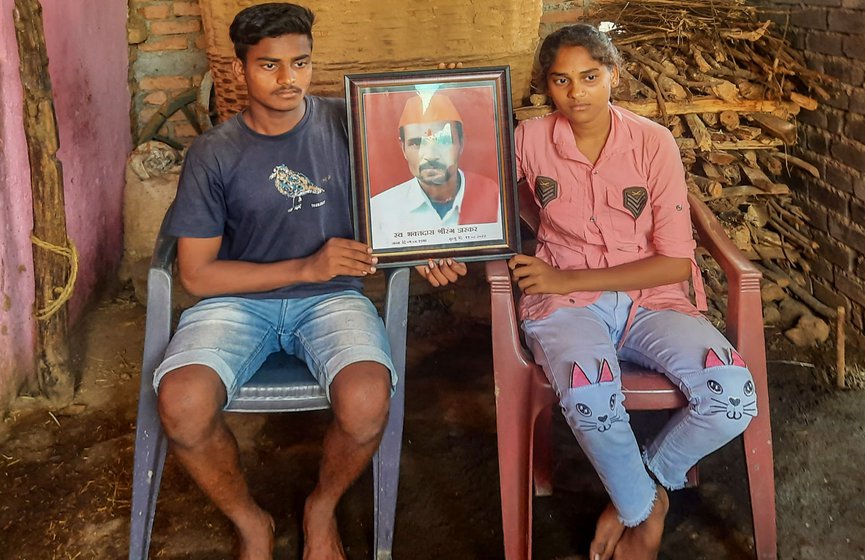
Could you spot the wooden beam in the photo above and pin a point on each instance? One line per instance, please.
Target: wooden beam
(799, 163)
(748, 190)
(803, 101)
(757, 177)
(52, 266)
(532, 111)
(701, 135)
(708, 105)
(649, 108)
(689, 143)
(776, 126)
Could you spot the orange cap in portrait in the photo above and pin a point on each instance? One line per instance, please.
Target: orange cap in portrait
(421, 109)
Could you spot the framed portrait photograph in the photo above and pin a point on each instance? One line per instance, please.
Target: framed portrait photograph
(433, 164)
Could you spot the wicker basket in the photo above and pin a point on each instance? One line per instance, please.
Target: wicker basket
(353, 36)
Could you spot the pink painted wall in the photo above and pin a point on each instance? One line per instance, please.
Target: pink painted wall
(88, 64)
(16, 257)
(87, 40)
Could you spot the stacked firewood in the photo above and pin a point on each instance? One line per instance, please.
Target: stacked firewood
(729, 89)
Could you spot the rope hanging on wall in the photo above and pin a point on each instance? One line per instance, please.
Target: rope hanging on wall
(71, 253)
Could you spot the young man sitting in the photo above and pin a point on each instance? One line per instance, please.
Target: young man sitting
(263, 217)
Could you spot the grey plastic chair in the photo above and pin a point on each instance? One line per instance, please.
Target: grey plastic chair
(283, 384)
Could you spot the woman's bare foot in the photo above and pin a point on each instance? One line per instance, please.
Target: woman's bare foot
(608, 531)
(320, 534)
(643, 541)
(256, 537)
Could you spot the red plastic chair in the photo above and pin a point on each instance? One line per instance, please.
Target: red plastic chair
(524, 398)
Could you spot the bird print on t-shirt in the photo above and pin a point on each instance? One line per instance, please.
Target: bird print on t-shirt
(294, 185)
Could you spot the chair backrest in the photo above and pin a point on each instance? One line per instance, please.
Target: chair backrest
(530, 214)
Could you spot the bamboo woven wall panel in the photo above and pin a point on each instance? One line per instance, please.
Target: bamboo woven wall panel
(354, 36)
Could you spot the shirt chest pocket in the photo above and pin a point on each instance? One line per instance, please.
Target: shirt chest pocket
(630, 213)
(560, 210)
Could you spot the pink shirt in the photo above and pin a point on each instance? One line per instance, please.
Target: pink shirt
(630, 205)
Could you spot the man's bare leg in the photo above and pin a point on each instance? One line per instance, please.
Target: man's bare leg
(644, 541)
(190, 406)
(360, 398)
(608, 531)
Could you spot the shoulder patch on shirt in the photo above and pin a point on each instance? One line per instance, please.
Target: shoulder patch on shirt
(546, 190)
(634, 200)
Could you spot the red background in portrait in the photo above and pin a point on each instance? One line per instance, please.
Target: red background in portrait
(387, 166)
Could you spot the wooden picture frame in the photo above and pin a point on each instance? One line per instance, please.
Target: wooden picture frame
(433, 165)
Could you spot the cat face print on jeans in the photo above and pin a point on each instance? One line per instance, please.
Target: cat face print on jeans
(727, 397)
(603, 418)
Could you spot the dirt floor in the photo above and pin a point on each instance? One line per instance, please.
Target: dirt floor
(65, 474)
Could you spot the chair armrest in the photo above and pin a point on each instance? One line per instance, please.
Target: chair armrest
(739, 270)
(530, 214)
(507, 345)
(744, 306)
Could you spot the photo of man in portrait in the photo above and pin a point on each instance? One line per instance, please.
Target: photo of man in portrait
(440, 194)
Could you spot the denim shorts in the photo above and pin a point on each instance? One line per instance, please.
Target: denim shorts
(233, 336)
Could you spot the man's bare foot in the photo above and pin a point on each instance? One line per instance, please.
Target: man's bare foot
(643, 541)
(608, 531)
(320, 535)
(256, 538)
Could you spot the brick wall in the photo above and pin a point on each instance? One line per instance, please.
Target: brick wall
(558, 13)
(832, 35)
(166, 57)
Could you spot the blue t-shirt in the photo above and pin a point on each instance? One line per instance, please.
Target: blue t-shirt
(271, 198)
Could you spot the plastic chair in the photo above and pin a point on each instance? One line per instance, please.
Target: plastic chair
(524, 398)
(283, 384)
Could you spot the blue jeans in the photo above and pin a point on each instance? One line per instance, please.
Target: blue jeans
(577, 348)
(233, 336)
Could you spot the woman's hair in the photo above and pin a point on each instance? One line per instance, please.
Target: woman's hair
(580, 35)
(271, 20)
